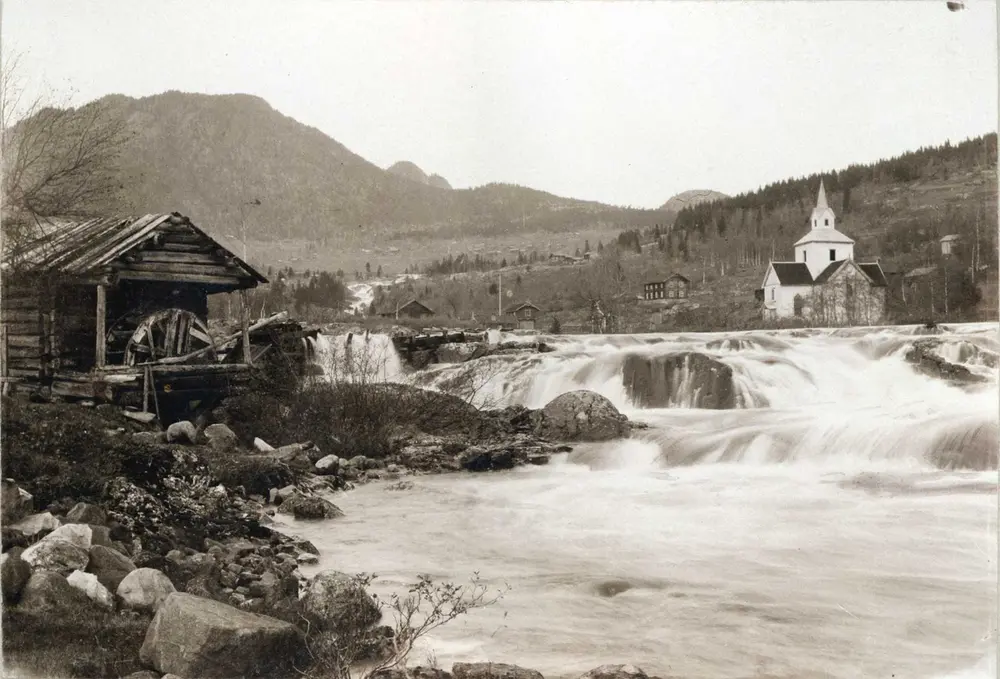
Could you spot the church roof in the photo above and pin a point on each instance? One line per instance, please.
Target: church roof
(826, 273)
(821, 198)
(825, 235)
(792, 273)
(874, 271)
(870, 269)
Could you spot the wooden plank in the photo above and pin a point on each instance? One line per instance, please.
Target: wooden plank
(245, 325)
(19, 316)
(202, 248)
(13, 371)
(18, 362)
(19, 303)
(3, 351)
(214, 269)
(158, 257)
(29, 341)
(231, 282)
(20, 328)
(102, 313)
(24, 352)
(188, 238)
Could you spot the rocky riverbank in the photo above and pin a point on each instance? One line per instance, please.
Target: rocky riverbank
(164, 537)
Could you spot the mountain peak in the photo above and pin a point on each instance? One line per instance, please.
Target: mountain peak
(412, 171)
(690, 198)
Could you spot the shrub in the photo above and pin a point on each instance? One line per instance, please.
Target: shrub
(55, 451)
(88, 643)
(425, 606)
(256, 473)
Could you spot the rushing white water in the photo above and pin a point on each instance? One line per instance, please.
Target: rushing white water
(842, 523)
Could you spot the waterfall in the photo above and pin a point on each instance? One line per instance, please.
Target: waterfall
(361, 357)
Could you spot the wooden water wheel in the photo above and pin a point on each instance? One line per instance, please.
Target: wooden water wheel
(170, 333)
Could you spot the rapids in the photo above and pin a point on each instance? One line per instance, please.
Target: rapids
(841, 523)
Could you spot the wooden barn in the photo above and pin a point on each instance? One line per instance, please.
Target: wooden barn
(97, 308)
(524, 315)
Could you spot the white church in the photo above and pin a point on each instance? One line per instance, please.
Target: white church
(824, 284)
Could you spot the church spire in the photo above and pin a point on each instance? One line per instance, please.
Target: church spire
(821, 198)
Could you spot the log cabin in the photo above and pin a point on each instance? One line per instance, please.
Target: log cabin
(97, 308)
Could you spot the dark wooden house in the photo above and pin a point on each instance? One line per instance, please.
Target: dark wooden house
(524, 315)
(412, 309)
(675, 286)
(105, 306)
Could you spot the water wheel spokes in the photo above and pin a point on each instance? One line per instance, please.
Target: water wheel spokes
(170, 333)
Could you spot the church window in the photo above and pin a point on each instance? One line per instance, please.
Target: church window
(804, 253)
(833, 255)
(826, 222)
(772, 294)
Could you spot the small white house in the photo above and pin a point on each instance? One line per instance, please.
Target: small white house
(949, 244)
(824, 283)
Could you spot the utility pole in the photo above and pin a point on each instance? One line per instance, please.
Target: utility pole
(500, 296)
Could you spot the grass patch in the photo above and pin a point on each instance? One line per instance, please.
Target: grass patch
(79, 643)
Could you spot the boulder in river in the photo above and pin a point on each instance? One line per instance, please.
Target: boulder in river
(580, 416)
(458, 352)
(921, 355)
(195, 637)
(310, 507)
(337, 601)
(686, 379)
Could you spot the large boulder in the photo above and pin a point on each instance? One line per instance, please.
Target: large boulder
(686, 379)
(81, 534)
(109, 565)
(195, 637)
(925, 360)
(59, 556)
(221, 437)
(83, 512)
(580, 416)
(47, 590)
(14, 575)
(458, 352)
(615, 672)
(37, 523)
(144, 589)
(327, 465)
(182, 432)
(492, 670)
(295, 455)
(310, 507)
(15, 502)
(336, 601)
(95, 591)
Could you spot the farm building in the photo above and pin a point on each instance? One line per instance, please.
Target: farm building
(524, 315)
(675, 286)
(412, 309)
(100, 308)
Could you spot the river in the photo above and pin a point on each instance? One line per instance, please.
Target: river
(841, 523)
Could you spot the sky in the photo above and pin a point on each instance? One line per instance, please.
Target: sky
(626, 103)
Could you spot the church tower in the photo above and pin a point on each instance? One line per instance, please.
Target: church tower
(822, 216)
(823, 244)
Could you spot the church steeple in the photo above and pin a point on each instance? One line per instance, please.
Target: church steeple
(821, 198)
(822, 216)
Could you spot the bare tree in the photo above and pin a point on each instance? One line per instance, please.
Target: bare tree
(604, 285)
(58, 161)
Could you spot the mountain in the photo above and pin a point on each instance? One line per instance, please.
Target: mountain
(213, 157)
(691, 198)
(411, 171)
